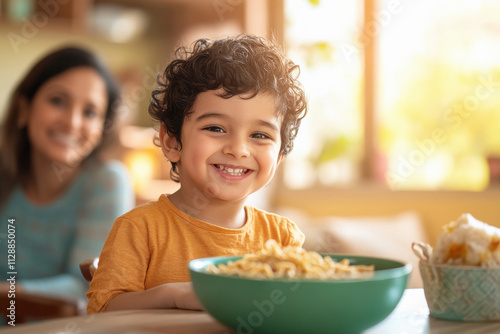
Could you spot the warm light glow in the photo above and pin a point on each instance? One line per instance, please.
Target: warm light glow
(142, 166)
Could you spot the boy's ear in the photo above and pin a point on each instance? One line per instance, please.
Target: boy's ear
(169, 145)
(280, 159)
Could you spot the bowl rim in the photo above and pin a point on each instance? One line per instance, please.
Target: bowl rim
(199, 265)
(457, 266)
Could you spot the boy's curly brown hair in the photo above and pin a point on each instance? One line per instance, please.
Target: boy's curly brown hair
(244, 64)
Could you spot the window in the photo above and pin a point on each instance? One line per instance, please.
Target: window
(328, 148)
(406, 93)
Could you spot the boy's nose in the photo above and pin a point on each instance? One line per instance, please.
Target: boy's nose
(237, 147)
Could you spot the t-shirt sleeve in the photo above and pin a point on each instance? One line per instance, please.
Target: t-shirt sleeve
(123, 265)
(296, 236)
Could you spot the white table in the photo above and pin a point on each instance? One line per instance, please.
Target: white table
(411, 316)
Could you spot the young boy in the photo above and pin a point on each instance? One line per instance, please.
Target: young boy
(229, 111)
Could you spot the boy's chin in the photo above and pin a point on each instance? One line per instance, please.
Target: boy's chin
(230, 196)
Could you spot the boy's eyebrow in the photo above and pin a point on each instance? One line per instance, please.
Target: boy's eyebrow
(268, 125)
(218, 115)
(210, 115)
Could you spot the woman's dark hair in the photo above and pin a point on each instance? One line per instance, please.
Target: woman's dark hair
(244, 64)
(15, 147)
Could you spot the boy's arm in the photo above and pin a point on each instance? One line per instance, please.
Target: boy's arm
(170, 295)
(119, 281)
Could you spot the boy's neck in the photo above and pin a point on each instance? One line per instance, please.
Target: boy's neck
(216, 212)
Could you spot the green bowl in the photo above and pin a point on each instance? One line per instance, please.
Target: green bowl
(301, 306)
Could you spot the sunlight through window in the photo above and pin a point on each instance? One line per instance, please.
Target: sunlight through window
(437, 93)
(321, 38)
(439, 79)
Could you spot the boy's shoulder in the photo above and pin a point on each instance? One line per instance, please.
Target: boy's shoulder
(146, 211)
(260, 214)
(281, 227)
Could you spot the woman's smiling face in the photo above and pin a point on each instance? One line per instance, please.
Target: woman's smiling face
(230, 147)
(65, 119)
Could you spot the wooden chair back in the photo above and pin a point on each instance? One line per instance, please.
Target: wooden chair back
(29, 306)
(88, 268)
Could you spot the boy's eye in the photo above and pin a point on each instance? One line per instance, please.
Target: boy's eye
(260, 135)
(214, 128)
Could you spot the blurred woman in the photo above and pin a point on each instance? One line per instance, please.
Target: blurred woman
(58, 200)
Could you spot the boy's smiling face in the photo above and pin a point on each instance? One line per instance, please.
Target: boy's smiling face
(230, 147)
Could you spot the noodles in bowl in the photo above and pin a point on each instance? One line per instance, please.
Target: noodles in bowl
(275, 262)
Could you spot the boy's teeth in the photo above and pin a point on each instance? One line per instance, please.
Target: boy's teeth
(232, 171)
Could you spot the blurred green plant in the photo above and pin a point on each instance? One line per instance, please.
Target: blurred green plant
(462, 106)
(318, 53)
(331, 149)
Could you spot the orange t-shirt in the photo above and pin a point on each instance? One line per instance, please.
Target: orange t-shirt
(153, 244)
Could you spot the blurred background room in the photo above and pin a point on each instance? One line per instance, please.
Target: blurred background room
(402, 134)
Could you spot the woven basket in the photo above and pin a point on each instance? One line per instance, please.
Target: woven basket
(462, 293)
